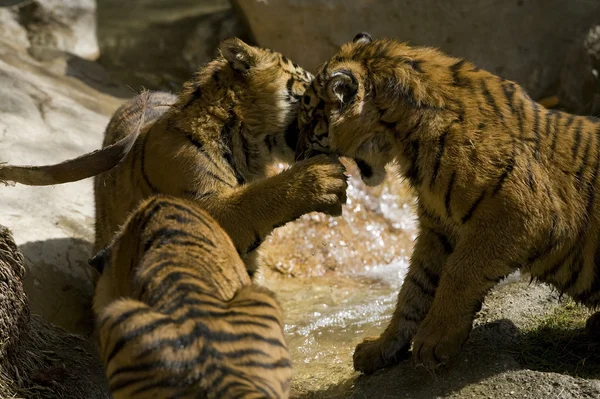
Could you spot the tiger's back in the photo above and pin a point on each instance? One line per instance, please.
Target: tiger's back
(178, 316)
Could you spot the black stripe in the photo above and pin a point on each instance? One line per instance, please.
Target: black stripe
(410, 317)
(178, 219)
(473, 207)
(489, 99)
(134, 333)
(531, 177)
(238, 176)
(200, 146)
(507, 171)
(123, 317)
(438, 157)
(536, 130)
(549, 115)
(204, 332)
(457, 79)
(192, 98)
(252, 323)
(577, 140)
(556, 126)
(446, 245)
(166, 235)
(433, 278)
(416, 65)
(257, 241)
(427, 291)
(448, 196)
(509, 92)
(414, 171)
(584, 160)
(142, 150)
(291, 134)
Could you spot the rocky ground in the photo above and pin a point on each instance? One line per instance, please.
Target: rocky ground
(56, 96)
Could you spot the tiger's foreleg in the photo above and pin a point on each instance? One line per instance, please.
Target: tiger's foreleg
(415, 298)
(251, 212)
(476, 265)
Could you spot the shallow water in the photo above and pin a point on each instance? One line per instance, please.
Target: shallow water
(348, 272)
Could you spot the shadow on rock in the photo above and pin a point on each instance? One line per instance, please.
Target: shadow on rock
(59, 281)
(560, 349)
(492, 349)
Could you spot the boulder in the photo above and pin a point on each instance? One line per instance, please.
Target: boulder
(52, 110)
(525, 41)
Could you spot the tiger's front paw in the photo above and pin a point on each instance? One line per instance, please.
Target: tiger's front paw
(320, 185)
(437, 342)
(376, 353)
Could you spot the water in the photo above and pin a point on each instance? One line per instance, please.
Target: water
(348, 273)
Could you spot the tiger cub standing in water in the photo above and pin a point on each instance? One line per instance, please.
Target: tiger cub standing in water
(212, 143)
(502, 184)
(177, 314)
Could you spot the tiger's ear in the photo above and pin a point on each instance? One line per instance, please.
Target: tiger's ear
(342, 87)
(240, 55)
(362, 38)
(100, 260)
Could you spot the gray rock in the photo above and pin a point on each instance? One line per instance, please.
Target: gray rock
(66, 25)
(158, 44)
(49, 113)
(579, 89)
(522, 40)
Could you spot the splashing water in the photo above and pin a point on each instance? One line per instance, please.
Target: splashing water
(348, 272)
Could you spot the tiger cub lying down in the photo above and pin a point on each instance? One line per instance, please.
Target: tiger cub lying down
(502, 184)
(177, 314)
(212, 143)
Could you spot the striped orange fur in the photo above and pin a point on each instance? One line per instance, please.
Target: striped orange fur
(502, 184)
(177, 314)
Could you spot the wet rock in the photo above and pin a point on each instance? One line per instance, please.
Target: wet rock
(521, 40)
(377, 227)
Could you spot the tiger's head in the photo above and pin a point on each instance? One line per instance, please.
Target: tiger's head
(368, 97)
(255, 87)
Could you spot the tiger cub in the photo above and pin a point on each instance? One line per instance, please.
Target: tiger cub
(211, 143)
(502, 184)
(177, 314)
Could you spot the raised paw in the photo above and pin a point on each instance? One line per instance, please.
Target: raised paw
(321, 184)
(593, 326)
(435, 344)
(376, 353)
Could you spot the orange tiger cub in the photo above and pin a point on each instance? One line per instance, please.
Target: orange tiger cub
(213, 143)
(502, 184)
(177, 314)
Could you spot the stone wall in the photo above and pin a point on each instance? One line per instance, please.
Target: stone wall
(523, 40)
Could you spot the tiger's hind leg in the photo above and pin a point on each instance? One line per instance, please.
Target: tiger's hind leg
(593, 326)
(415, 297)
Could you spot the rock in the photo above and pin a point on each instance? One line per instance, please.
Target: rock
(47, 116)
(579, 89)
(68, 26)
(508, 38)
(183, 35)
